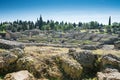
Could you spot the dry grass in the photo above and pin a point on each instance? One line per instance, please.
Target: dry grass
(101, 51)
(2, 50)
(45, 50)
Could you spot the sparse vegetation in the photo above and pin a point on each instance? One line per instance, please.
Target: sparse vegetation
(71, 40)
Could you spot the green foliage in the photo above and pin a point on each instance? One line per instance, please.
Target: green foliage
(52, 25)
(46, 27)
(80, 24)
(94, 25)
(17, 26)
(39, 22)
(108, 29)
(2, 77)
(3, 27)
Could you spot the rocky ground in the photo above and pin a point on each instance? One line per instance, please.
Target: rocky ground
(45, 61)
(57, 63)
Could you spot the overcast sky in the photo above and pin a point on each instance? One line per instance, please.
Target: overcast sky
(60, 10)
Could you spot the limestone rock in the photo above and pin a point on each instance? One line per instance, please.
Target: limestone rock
(20, 75)
(71, 67)
(109, 60)
(6, 44)
(40, 68)
(25, 63)
(7, 58)
(109, 74)
(85, 58)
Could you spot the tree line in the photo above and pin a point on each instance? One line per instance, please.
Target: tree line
(19, 25)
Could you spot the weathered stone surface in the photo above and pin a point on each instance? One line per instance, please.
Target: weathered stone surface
(6, 44)
(25, 63)
(7, 58)
(71, 67)
(40, 68)
(108, 74)
(110, 60)
(20, 75)
(85, 58)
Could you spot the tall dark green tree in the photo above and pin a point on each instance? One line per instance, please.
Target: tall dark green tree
(39, 22)
(109, 21)
(80, 24)
(74, 24)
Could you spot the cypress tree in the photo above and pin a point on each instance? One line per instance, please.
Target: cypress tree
(109, 21)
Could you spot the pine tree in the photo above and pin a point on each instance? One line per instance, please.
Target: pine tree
(39, 22)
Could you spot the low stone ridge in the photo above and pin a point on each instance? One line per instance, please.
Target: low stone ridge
(6, 44)
(76, 36)
(111, 40)
(91, 47)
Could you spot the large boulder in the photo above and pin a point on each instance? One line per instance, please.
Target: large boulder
(20, 75)
(71, 67)
(25, 63)
(52, 70)
(85, 58)
(108, 74)
(110, 61)
(7, 58)
(88, 61)
(41, 68)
